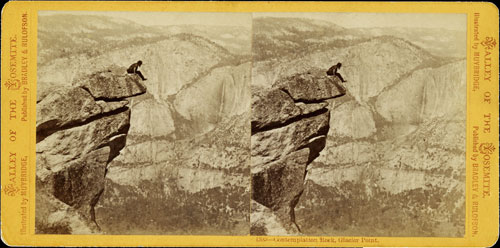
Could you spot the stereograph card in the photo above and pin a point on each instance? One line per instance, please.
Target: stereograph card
(249, 124)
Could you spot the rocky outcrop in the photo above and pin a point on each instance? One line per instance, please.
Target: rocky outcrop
(289, 126)
(173, 161)
(116, 86)
(398, 158)
(80, 129)
(395, 151)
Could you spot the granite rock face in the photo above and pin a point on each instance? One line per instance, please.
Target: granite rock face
(398, 158)
(187, 150)
(290, 122)
(80, 129)
(112, 84)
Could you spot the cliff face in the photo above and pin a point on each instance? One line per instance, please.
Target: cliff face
(397, 158)
(170, 64)
(193, 83)
(80, 130)
(187, 149)
(289, 126)
(395, 149)
(176, 159)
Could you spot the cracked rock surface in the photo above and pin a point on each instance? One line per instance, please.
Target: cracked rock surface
(80, 129)
(290, 122)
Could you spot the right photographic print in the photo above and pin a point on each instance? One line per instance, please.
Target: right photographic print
(358, 124)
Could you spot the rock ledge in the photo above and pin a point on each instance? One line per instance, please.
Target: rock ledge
(290, 122)
(80, 129)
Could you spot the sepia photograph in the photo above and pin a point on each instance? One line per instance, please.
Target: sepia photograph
(315, 124)
(142, 123)
(358, 124)
(250, 124)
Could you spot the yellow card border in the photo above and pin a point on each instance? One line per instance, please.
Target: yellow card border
(18, 134)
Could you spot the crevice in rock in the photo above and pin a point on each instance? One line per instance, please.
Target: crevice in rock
(321, 100)
(279, 184)
(87, 89)
(117, 99)
(316, 145)
(117, 142)
(94, 202)
(76, 183)
(323, 131)
(293, 203)
(276, 125)
(46, 129)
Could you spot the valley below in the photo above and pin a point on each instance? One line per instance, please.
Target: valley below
(238, 130)
(394, 158)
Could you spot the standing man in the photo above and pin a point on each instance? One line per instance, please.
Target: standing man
(333, 71)
(134, 69)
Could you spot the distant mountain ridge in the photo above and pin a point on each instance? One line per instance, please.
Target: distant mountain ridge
(187, 138)
(61, 36)
(396, 134)
(278, 36)
(403, 113)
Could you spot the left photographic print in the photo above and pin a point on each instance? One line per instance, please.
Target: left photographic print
(142, 123)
